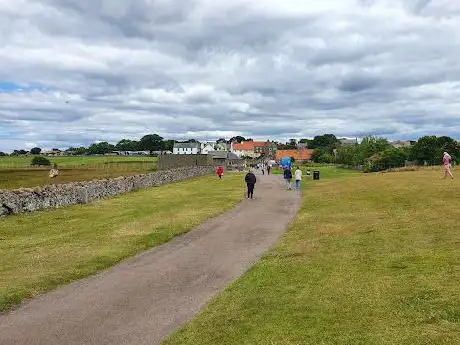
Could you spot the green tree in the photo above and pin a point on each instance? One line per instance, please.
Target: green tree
(19, 153)
(239, 139)
(100, 148)
(3, 154)
(431, 148)
(151, 142)
(77, 151)
(358, 154)
(322, 155)
(127, 145)
(384, 160)
(168, 145)
(36, 151)
(326, 141)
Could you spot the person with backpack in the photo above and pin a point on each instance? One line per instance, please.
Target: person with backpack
(288, 177)
(250, 180)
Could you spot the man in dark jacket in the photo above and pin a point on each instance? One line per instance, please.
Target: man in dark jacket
(250, 182)
(288, 177)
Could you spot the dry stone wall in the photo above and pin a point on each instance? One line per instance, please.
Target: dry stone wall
(55, 196)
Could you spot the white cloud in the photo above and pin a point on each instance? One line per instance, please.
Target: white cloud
(107, 69)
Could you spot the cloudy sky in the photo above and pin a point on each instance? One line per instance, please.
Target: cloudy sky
(77, 71)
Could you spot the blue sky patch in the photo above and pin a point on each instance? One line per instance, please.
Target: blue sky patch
(7, 86)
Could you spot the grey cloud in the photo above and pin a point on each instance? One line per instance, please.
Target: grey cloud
(262, 69)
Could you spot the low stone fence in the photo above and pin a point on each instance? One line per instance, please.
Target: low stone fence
(54, 196)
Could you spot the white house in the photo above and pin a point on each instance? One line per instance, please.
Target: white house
(207, 147)
(223, 147)
(187, 148)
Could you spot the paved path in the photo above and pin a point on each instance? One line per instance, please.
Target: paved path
(144, 299)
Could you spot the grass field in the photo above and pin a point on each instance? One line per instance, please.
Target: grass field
(372, 259)
(73, 161)
(43, 250)
(16, 172)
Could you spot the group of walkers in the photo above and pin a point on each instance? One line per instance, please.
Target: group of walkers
(287, 174)
(251, 179)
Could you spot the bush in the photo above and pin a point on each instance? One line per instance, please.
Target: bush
(387, 159)
(41, 161)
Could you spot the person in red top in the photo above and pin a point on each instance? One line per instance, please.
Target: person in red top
(220, 172)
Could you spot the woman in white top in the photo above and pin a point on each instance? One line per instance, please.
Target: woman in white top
(298, 178)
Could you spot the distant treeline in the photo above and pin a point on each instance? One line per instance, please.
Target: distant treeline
(372, 153)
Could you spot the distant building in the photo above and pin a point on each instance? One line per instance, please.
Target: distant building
(131, 153)
(207, 147)
(254, 149)
(401, 143)
(299, 154)
(227, 160)
(348, 142)
(54, 152)
(223, 147)
(187, 148)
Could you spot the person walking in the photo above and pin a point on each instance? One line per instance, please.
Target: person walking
(250, 182)
(447, 159)
(288, 177)
(298, 178)
(220, 172)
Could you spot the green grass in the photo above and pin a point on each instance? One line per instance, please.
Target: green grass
(27, 178)
(43, 250)
(370, 259)
(16, 172)
(73, 161)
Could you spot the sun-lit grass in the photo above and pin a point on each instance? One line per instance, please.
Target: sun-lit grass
(370, 259)
(43, 250)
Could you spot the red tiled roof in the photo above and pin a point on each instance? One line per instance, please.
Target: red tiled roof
(301, 155)
(248, 145)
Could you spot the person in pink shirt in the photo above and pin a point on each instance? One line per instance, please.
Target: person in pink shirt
(447, 159)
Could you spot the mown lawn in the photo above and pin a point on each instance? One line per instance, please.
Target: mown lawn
(373, 259)
(42, 250)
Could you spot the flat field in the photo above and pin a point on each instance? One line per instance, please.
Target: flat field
(16, 172)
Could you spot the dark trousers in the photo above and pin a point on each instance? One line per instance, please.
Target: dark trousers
(268, 171)
(250, 190)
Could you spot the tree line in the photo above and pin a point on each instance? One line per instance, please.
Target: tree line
(150, 142)
(374, 153)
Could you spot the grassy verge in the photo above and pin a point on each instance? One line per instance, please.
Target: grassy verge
(43, 250)
(368, 260)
